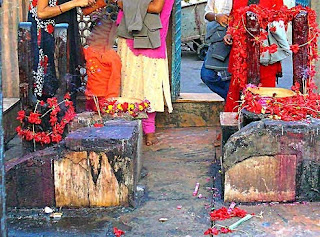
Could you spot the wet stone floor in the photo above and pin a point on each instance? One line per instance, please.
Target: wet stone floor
(183, 157)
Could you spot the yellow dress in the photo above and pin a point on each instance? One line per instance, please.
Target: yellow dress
(144, 78)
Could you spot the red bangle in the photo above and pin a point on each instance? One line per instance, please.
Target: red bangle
(60, 9)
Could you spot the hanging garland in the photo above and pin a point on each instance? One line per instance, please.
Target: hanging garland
(46, 126)
(238, 31)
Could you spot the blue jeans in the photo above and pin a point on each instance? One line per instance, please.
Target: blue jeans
(213, 81)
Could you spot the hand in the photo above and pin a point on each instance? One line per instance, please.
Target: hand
(227, 39)
(222, 19)
(84, 3)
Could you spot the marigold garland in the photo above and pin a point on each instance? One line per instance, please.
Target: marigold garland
(114, 107)
(35, 128)
(239, 32)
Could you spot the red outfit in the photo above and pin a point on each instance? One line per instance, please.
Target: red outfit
(104, 75)
(267, 73)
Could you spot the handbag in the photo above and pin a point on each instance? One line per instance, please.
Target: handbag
(88, 10)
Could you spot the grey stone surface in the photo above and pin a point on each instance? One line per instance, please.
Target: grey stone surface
(115, 133)
(270, 138)
(172, 167)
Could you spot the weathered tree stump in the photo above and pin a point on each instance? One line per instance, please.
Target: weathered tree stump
(272, 160)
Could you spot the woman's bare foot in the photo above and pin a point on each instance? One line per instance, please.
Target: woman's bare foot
(151, 139)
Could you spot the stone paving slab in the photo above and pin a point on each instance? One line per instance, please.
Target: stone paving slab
(183, 157)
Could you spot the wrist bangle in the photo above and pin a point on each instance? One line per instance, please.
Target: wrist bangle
(215, 17)
(60, 9)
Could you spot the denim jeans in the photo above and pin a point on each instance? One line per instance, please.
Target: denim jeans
(213, 81)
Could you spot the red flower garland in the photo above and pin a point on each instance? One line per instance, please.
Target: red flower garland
(238, 31)
(294, 108)
(42, 133)
(223, 214)
(117, 232)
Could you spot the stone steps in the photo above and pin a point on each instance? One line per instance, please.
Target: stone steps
(190, 110)
(193, 110)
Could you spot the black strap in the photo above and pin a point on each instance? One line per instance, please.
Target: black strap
(253, 2)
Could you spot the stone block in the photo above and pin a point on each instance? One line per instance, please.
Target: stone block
(11, 106)
(271, 138)
(92, 167)
(91, 179)
(87, 119)
(105, 163)
(262, 179)
(229, 125)
(193, 110)
(29, 180)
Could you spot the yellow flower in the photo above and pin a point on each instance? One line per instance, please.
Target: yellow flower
(146, 104)
(131, 107)
(110, 107)
(119, 107)
(107, 111)
(140, 107)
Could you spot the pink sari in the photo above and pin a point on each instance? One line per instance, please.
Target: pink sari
(160, 52)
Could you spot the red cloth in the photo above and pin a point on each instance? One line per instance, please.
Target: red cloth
(104, 73)
(275, 4)
(267, 73)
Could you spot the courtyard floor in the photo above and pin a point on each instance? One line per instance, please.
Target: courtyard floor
(182, 158)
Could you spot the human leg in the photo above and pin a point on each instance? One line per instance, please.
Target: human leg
(213, 81)
(149, 128)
